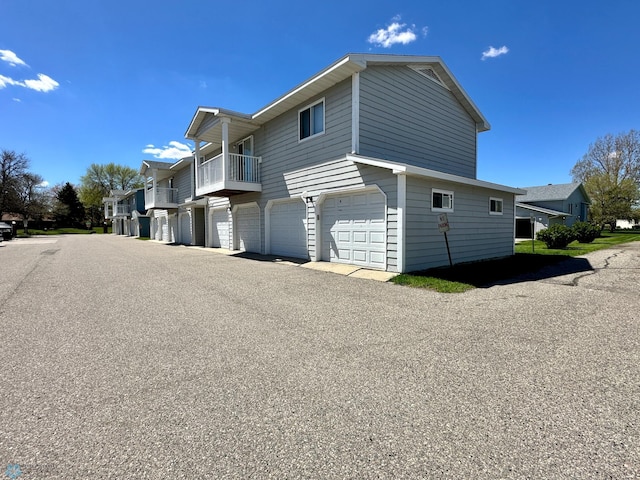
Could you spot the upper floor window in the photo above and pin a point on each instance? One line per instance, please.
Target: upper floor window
(495, 206)
(311, 120)
(441, 200)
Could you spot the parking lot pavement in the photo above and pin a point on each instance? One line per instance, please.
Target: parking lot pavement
(130, 359)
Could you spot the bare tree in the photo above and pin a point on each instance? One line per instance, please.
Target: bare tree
(32, 201)
(610, 172)
(12, 167)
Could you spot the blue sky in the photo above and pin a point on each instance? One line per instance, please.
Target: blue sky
(114, 81)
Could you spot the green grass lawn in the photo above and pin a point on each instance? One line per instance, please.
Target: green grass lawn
(463, 277)
(60, 231)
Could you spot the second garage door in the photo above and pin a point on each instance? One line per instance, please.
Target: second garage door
(288, 231)
(219, 228)
(354, 229)
(248, 228)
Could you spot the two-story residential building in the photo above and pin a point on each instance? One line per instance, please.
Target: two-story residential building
(546, 205)
(126, 210)
(354, 165)
(177, 216)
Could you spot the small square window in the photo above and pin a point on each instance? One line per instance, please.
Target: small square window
(311, 120)
(495, 206)
(441, 200)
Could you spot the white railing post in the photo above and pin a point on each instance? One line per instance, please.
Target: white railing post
(225, 146)
(196, 163)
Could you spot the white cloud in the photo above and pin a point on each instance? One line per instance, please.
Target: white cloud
(175, 151)
(494, 52)
(11, 58)
(6, 81)
(43, 184)
(396, 32)
(44, 83)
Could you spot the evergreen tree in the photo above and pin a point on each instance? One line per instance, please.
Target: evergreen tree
(69, 211)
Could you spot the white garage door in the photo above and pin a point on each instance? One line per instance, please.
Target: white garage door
(354, 229)
(248, 228)
(185, 229)
(219, 228)
(288, 232)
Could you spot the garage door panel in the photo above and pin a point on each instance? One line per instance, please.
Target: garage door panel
(288, 229)
(354, 229)
(220, 228)
(378, 238)
(248, 220)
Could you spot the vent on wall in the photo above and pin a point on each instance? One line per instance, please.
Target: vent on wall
(427, 71)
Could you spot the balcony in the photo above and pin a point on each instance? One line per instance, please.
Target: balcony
(242, 174)
(121, 211)
(161, 198)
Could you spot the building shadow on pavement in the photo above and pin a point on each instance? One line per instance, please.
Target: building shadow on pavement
(505, 271)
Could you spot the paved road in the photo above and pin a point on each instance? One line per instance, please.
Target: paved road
(129, 359)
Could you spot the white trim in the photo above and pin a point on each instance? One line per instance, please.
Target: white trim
(448, 193)
(267, 220)
(401, 223)
(355, 113)
(324, 120)
(240, 142)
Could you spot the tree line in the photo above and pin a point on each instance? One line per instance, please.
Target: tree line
(23, 194)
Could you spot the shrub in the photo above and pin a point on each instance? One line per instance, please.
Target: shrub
(556, 236)
(585, 232)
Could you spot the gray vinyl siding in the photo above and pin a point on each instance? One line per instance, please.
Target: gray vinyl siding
(408, 118)
(277, 142)
(182, 181)
(474, 234)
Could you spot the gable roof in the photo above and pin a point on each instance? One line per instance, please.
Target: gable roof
(547, 193)
(336, 72)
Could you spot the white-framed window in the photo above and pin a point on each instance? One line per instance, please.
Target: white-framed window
(245, 146)
(495, 206)
(311, 120)
(441, 200)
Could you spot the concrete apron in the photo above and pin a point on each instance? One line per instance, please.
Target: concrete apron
(338, 268)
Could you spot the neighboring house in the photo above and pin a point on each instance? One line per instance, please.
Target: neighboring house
(127, 213)
(354, 165)
(550, 204)
(177, 216)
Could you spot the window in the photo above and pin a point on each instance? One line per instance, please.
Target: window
(441, 200)
(311, 120)
(495, 206)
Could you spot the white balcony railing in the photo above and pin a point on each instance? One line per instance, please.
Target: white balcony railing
(161, 198)
(122, 210)
(242, 169)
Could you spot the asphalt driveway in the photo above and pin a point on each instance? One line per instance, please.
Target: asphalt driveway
(129, 359)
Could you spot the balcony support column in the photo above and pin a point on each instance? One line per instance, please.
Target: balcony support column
(196, 164)
(225, 147)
